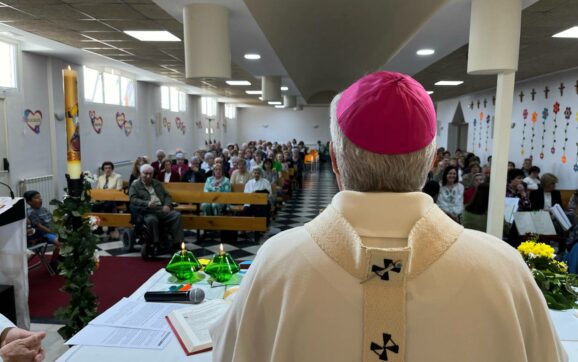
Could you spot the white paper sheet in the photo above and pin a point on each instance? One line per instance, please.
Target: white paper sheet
(121, 337)
(511, 207)
(129, 313)
(566, 324)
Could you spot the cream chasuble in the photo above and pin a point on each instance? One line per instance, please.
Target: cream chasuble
(386, 277)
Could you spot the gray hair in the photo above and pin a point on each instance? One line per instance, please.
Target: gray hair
(209, 156)
(146, 167)
(159, 152)
(258, 169)
(365, 171)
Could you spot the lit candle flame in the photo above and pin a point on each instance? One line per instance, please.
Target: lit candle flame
(221, 250)
(69, 68)
(183, 249)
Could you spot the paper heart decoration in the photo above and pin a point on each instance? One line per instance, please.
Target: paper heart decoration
(91, 114)
(168, 125)
(97, 124)
(165, 122)
(120, 119)
(178, 122)
(33, 120)
(183, 128)
(128, 127)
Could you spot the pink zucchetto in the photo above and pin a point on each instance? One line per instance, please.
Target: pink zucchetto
(387, 113)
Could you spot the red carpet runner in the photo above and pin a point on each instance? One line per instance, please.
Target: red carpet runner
(117, 277)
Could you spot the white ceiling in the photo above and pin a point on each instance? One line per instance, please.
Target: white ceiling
(445, 30)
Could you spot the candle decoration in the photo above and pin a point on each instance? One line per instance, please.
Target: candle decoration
(222, 267)
(184, 265)
(72, 126)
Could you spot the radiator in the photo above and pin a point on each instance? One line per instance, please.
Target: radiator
(42, 184)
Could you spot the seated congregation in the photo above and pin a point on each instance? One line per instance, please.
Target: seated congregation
(173, 194)
(460, 186)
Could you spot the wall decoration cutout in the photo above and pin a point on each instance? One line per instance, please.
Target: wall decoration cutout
(165, 122)
(180, 125)
(120, 119)
(525, 117)
(124, 124)
(567, 115)
(521, 95)
(533, 94)
(127, 128)
(561, 88)
(199, 124)
(546, 91)
(488, 120)
(33, 120)
(475, 123)
(224, 126)
(96, 121)
(544, 117)
(169, 125)
(556, 109)
(534, 120)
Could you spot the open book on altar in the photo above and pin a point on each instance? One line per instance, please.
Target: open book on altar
(191, 324)
(534, 222)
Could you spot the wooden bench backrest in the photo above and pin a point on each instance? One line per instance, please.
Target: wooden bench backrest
(197, 186)
(108, 195)
(189, 193)
(194, 222)
(566, 195)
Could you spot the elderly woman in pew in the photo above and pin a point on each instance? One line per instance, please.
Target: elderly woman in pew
(216, 183)
(168, 172)
(195, 173)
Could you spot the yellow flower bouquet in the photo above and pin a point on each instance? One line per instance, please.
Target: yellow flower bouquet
(559, 287)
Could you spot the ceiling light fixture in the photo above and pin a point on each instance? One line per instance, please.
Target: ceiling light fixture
(284, 88)
(252, 56)
(568, 33)
(238, 82)
(449, 82)
(152, 35)
(254, 92)
(424, 52)
(429, 92)
(275, 103)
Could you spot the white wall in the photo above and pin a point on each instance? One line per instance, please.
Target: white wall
(479, 132)
(281, 125)
(41, 82)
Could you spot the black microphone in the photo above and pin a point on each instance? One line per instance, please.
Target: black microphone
(194, 296)
(9, 188)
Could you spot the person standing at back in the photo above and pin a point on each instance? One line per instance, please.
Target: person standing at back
(383, 274)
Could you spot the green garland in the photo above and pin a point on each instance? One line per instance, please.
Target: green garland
(78, 251)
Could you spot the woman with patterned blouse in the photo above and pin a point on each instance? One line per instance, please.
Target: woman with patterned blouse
(451, 196)
(216, 183)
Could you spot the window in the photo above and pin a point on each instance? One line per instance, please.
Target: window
(173, 99)
(165, 98)
(109, 88)
(182, 102)
(230, 111)
(127, 92)
(8, 65)
(93, 91)
(208, 106)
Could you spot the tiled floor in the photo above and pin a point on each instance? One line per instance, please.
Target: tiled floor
(318, 189)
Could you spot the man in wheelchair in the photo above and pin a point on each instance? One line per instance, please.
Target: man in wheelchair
(149, 199)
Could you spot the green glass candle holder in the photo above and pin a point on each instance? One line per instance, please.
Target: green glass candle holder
(183, 265)
(222, 267)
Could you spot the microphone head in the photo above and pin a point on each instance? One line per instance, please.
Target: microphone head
(196, 295)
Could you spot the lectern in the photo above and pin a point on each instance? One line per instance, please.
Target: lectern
(13, 258)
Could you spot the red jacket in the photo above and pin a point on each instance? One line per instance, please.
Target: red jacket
(174, 176)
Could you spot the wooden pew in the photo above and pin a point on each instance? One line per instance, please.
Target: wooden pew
(187, 193)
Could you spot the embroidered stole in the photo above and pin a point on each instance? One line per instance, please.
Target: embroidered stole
(384, 273)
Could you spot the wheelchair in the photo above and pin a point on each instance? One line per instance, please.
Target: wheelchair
(141, 234)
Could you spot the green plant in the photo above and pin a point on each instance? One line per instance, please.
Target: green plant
(551, 276)
(78, 259)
